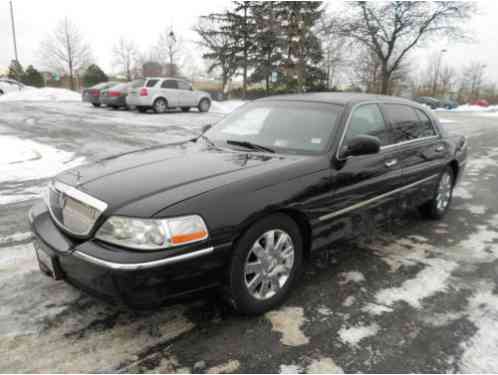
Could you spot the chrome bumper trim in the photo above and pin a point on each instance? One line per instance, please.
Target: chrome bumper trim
(375, 199)
(144, 265)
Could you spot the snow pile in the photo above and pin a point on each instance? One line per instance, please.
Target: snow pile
(470, 108)
(47, 94)
(226, 106)
(353, 335)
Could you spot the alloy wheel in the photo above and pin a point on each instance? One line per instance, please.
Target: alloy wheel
(444, 192)
(269, 264)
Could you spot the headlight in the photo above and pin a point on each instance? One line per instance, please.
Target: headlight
(152, 234)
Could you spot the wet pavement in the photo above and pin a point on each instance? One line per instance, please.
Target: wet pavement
(420, 296)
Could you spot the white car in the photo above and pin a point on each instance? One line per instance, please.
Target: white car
(161, 94)
(9, 85)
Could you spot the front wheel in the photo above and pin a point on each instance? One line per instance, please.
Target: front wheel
(267, 261)
(204, 105)
(437, 207)
(160, 105)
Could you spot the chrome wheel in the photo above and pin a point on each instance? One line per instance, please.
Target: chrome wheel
(444, 191)
(269, 264)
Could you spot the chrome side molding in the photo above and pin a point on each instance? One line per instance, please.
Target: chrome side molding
(375, 199)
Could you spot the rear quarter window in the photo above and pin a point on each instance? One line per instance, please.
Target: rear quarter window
(151, 82)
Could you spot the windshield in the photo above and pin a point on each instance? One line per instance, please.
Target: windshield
(285, 126)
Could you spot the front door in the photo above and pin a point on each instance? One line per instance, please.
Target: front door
(169, 89)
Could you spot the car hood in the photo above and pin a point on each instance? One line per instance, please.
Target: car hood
(176, 172)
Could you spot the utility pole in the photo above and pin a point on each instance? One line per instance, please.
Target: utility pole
(13, 30)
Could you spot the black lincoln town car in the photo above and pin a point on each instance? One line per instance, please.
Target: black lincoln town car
(245, 203)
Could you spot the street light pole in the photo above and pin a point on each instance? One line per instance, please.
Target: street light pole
(13, 30)
(436, 76)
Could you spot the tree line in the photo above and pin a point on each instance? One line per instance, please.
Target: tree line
(299, 46)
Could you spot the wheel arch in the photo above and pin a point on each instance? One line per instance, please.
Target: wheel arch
(297, 216)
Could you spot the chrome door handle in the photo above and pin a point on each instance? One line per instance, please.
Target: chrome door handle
(439, 148)
(391, 163)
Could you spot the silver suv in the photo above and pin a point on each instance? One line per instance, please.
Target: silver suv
(160, 94)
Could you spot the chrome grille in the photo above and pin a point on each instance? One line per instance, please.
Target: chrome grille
(74, 211)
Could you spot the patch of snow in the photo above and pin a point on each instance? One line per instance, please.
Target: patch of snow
(44, 94)
(227, 106)
(374, 309)
(461, 192)
(226, 368)
(325, 311)
(290, 369)
(24, 159)
(323, 366)
(351, 277)
(288, 321)
(16, 237)
(442, 319)
(429, 281)
(353, 335)
(349, 301)
(446, 121)
(477, 210)
(470, 108)
(481, 351)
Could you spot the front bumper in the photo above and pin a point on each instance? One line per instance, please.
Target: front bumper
(137, 279)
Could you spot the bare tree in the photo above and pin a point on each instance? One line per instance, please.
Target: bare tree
(392, 29)
(65, 50)
(125, 54)
(473, 79)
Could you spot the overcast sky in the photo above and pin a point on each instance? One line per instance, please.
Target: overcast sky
(102, 22)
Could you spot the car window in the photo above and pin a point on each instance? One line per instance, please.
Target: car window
(169, 84)
(182, 85)
(287, 126)
(405, 122)
(425, 127)
(368, 120)
(151, 82)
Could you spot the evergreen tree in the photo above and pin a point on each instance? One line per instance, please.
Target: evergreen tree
(268, 45)
(303, 48)
(16, 71)
(241, 26)
(33, 77)
(94, 75)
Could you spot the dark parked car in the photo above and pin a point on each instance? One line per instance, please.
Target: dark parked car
(115, 96)
(433, 103)
(245, 203)
(92, 94)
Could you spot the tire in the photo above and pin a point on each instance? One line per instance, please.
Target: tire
(160, 105)
(1, 92)
(185, 109)
(114, 107)
(437, 207)
(258, 284)
(204, 105)
(141, 109)
(96, 105)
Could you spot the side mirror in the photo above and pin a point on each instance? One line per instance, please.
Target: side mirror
(361, 145)
(205, 128)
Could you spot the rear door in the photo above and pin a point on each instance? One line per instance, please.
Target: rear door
(365, 194)
(169, 89)
(422, 151)
(186, 95)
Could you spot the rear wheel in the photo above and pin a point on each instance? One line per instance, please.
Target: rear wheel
(185, 109)
(204, 105)
(266, 262)
(96, 105)
(437, 207)
(160, 105)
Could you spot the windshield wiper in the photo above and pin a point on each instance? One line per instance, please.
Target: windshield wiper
(252, 146)
(206, 139)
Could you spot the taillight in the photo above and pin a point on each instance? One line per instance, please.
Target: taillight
(144, 92)
(114, 93)
(95, 93)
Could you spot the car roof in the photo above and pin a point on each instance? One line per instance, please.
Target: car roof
(172, 78)
(340, 98)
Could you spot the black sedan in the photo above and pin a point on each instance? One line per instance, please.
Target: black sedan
(92, 94)
(244, 204)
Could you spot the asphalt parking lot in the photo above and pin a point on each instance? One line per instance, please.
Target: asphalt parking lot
(419, 296)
